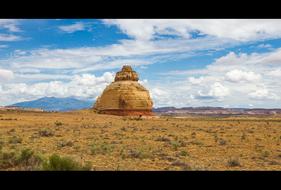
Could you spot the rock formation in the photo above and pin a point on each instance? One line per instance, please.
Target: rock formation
(125, 96)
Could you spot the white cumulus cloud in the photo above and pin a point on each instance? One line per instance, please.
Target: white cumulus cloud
(216, 91)
(263, 94)
(236, 29)
(9, 38)
(78, 26)
(6, 75)
(10, 24)
(83, 86)
(238, 76)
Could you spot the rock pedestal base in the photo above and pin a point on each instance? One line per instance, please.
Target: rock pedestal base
(127, 112)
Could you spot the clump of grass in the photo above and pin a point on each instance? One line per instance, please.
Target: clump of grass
(222, 142)
(233, 162)
(265, 153)
(64, 143)
(25, 160)
(163, 139)
(58, 163)
(122, 154)
(138, 153)
(197, 142)
(176, 144)
(183, 153)
(58, 123)
(46, 133)
(182, 165)
(15, 140)
(7, 160)
(25, 155)
(103, 148)
(28, 160)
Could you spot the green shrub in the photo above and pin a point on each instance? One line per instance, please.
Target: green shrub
(46, 133)
(58, 123)
(233, 162)
(25, 155)
(176, 144)
(103, 148)
(15, 140)
(183, 153)
(137, 154)
(64, 143)
(27, 160)
(57, 163)
(7, 160)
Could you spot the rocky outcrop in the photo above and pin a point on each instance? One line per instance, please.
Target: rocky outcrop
(126, 74)
(125, 96)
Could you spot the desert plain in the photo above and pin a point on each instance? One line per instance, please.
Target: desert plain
(107, 142)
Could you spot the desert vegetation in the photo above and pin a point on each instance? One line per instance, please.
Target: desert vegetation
(84, 140)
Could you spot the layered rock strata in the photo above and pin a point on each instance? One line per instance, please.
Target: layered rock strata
(125, 96)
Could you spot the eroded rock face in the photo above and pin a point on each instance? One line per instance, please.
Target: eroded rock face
(125, 96)
(126, 73)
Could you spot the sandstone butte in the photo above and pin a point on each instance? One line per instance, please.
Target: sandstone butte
(125, 96)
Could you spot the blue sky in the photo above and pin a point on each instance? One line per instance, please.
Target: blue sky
(183, 62)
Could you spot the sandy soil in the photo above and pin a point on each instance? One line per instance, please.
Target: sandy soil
(151, 143)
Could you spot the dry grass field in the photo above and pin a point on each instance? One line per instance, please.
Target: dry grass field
(104, 142)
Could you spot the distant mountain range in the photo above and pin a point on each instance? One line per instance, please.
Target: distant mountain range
(70, 103)
(56, 104)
